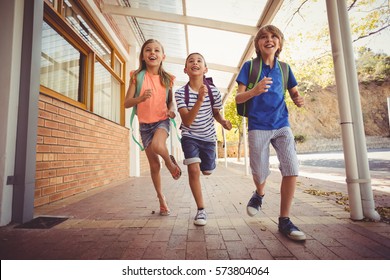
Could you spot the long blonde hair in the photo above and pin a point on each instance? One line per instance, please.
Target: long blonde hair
(165, 77)
(273, 30)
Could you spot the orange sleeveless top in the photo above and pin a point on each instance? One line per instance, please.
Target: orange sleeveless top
(155, 108)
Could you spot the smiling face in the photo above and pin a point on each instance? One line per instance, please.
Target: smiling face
(195, 65)
(152, 53)
(268, 41)
(269, 44)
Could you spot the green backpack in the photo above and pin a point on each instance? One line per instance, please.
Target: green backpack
(139, 81)
(254, 76)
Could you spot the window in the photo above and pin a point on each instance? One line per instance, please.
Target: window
(118, 66)
(61, 65)
(75, 53)
(85, 29)
(106, 94)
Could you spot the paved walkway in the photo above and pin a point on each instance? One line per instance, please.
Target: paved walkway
(122, 222)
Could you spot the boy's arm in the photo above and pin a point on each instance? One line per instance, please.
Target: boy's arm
(298, 100)
(243, 95)
(218, 117)
(188, 116)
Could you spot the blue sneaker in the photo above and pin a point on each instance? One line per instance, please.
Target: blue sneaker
(200, 218)
(290, 230)
(254, 204)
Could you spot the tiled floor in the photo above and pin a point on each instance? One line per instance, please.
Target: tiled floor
(122, 222)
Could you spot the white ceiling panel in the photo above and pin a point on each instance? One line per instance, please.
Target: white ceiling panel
(221, 30)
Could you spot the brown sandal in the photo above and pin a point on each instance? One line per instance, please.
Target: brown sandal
(177, 173)
(164, 210)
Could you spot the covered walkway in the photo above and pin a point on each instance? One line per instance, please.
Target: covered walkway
(122, 222)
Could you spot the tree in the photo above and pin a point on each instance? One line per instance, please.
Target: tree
(314, 68)
(376, 16)
(368, 19)
(371, 66)
(236, 133)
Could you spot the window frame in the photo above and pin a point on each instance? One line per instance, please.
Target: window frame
(53, 17)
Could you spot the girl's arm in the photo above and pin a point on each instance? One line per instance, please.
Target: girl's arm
(130, 101)
(171, 106)
(298, 100)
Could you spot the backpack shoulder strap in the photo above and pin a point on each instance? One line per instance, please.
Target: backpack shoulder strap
(285, 73)
(139, 81)
(207, 82)
(255, 67)
(254, 72)
(138, 85)
(187, 94)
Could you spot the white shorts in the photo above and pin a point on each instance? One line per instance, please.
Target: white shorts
(259, 152)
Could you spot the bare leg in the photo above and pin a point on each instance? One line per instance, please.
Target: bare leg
(287, 190)
(196, 187)
(255, 201)
(159, 147)
(155, 166)
(260, 187)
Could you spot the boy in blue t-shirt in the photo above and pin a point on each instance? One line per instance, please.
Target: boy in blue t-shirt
(268, 124)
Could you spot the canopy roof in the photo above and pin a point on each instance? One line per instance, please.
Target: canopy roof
(221, 30)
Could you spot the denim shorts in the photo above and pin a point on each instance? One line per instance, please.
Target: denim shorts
(147, 130)
(199, 151)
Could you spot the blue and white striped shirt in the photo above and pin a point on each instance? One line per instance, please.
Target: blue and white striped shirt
(203, 126)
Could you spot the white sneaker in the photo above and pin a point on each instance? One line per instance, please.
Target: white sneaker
(290, 230)
(254, 204)
(200, 218)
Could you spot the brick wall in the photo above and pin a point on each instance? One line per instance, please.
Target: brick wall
(144, 164)
(76, 151)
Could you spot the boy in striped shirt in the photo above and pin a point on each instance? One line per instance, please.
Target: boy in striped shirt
(197, 127)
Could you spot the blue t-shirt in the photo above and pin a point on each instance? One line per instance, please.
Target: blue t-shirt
(267, 111)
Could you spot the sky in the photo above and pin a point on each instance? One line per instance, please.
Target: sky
(313, 17)
(226, 48)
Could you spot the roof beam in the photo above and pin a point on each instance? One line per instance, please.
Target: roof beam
(180, 19)
(184, 4)
(268, 14)
(214, 66)
(179, 83)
